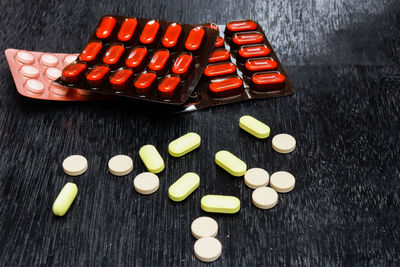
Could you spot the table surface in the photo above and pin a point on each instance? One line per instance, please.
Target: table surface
(343, 58)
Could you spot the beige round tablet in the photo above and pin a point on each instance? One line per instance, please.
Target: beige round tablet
(204, 227)
(264, 198)
(256, 177)
(120, 165)
(34, 86)
(75, 165)
(283, 143)
(146, 183)
(282, 181)
(29, 71)
(207, 249)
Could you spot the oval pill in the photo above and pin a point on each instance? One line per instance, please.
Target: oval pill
(97, 75)
(194, 39)
(266, 81)
(34, 86)
(241, 25)
(159, 60)
(144, 82)
(219, 69)
(168, 86)
(184, 186)
(25, 57)
(29, 71)
(49, 60)
(72, 73)
(184, 144)
(220, 204)
(254, 126)
(149, 32)
(225, 87)
(219, 55)
(113, 54)
(91, 51)
(182, 63)
(53, 74)
(246, 38)
(219, 42)
(171, 36)
(120, 79)
(151, 158)
(127, 29)
(106, 27)
(136, 57)
(229, 162)
(65, 199)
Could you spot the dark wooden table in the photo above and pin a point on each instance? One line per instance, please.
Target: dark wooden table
(343, 57)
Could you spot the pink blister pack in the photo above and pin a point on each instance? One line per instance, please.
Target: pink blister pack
(34, 73)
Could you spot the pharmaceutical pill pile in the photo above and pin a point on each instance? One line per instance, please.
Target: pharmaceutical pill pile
(207, 248)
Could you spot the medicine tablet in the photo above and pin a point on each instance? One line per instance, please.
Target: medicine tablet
(256, 177)
(34, 86)
(283, 143)
(230, 163)
(69, 59)
(184, 144)
(207, 249)
(120, 165)
(30, 71)
(25, 57)
(75, 165)
(59, 90)
(49, 60)
(146, 183)
(254, 127)
(151, 158)
(264, 198)
(282, 181)
(65, 199)
(220, 204)
(204, 227)
(53, 74)
(184, 186)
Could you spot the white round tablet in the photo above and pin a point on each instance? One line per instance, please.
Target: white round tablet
(29, 71)
(256, 177)
(34, 86)
(25, 57)
(146, 183)
(282, 181)
(53, 74)
(69, 59)
(59, 90)
(75, 165)
(204, 227)
(283, 143)
(207, 249)
(264, 197)
(120, 165)
(49, 60)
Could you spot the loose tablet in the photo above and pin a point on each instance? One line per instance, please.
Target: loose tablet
(146, 183)
(75, 165)
(207, 249)
(204, 227)
(264, 197)
(184, 186)
(230, 163)
(254, 126)
(220, 204)
(184, 144)
(120, 165)
(256, 177)
(283, 143)
(65, 199)
(282, 181)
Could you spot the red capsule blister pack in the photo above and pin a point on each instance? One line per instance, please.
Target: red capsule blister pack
(242, 66)
(147, 59)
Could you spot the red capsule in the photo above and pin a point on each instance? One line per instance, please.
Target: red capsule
(159, 60)
(136, 57)
(120, 79)
(194, 39)
(182, 64)
(240, 26)
(97, 75)
(265, 81)
(73, 72)
(219, 42)
(113, 54)
(219, 55)
(219, 69)
(106, 27)
(127, 30)
(225, 87)
(171, 36)
(144, 82)
(248, 51)
(91, 51)
(168, 86)
(259, 64)
(246, 38)
(149, 32)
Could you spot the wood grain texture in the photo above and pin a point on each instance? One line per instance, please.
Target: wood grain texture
(343, 58)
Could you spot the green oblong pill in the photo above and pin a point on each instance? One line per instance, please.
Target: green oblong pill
(230, 163)
(184, 186)
(184, 144)
(220, 204)
(254, 126)
(65, 199)
(151, 158)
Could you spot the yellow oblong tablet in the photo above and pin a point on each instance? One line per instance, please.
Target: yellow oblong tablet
(184, 186)
(254, 126)
(220, 204)
(151, 158)
(184, 144)
(230, 163)
(65, 199)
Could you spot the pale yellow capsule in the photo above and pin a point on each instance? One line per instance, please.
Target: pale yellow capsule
(254, 126)
(184, 186)
(230, 163)
(151, 158)
(220, 204)
(184, 144)
(65, 199)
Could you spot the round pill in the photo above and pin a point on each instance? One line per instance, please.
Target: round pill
(49, 60)
(207, 249)
(59, 90)
(69, 59)
(120, 165)
(256, 177)
(53, 73)
(30, 71)
(34, 86)
(264, 198)
(283, 143)
(75, 165)
(282, 181)
(25, 57)
(146, 183)
(204, 227)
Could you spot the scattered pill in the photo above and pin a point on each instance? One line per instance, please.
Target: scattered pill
(207, 249)
(256, 177)
(254, 127)
(120, 165)
(34, 86)
(146, 183)
(53, 74)
(220, 204)
(75, 165)
(65, 199)
(25, 57)
(283, 143)
(49, 60)
(29, 71)
(264, 198)
(204, 227)
(184, 144)
(282, 181)
(230, 163)
(184, 186)
(151, 158)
